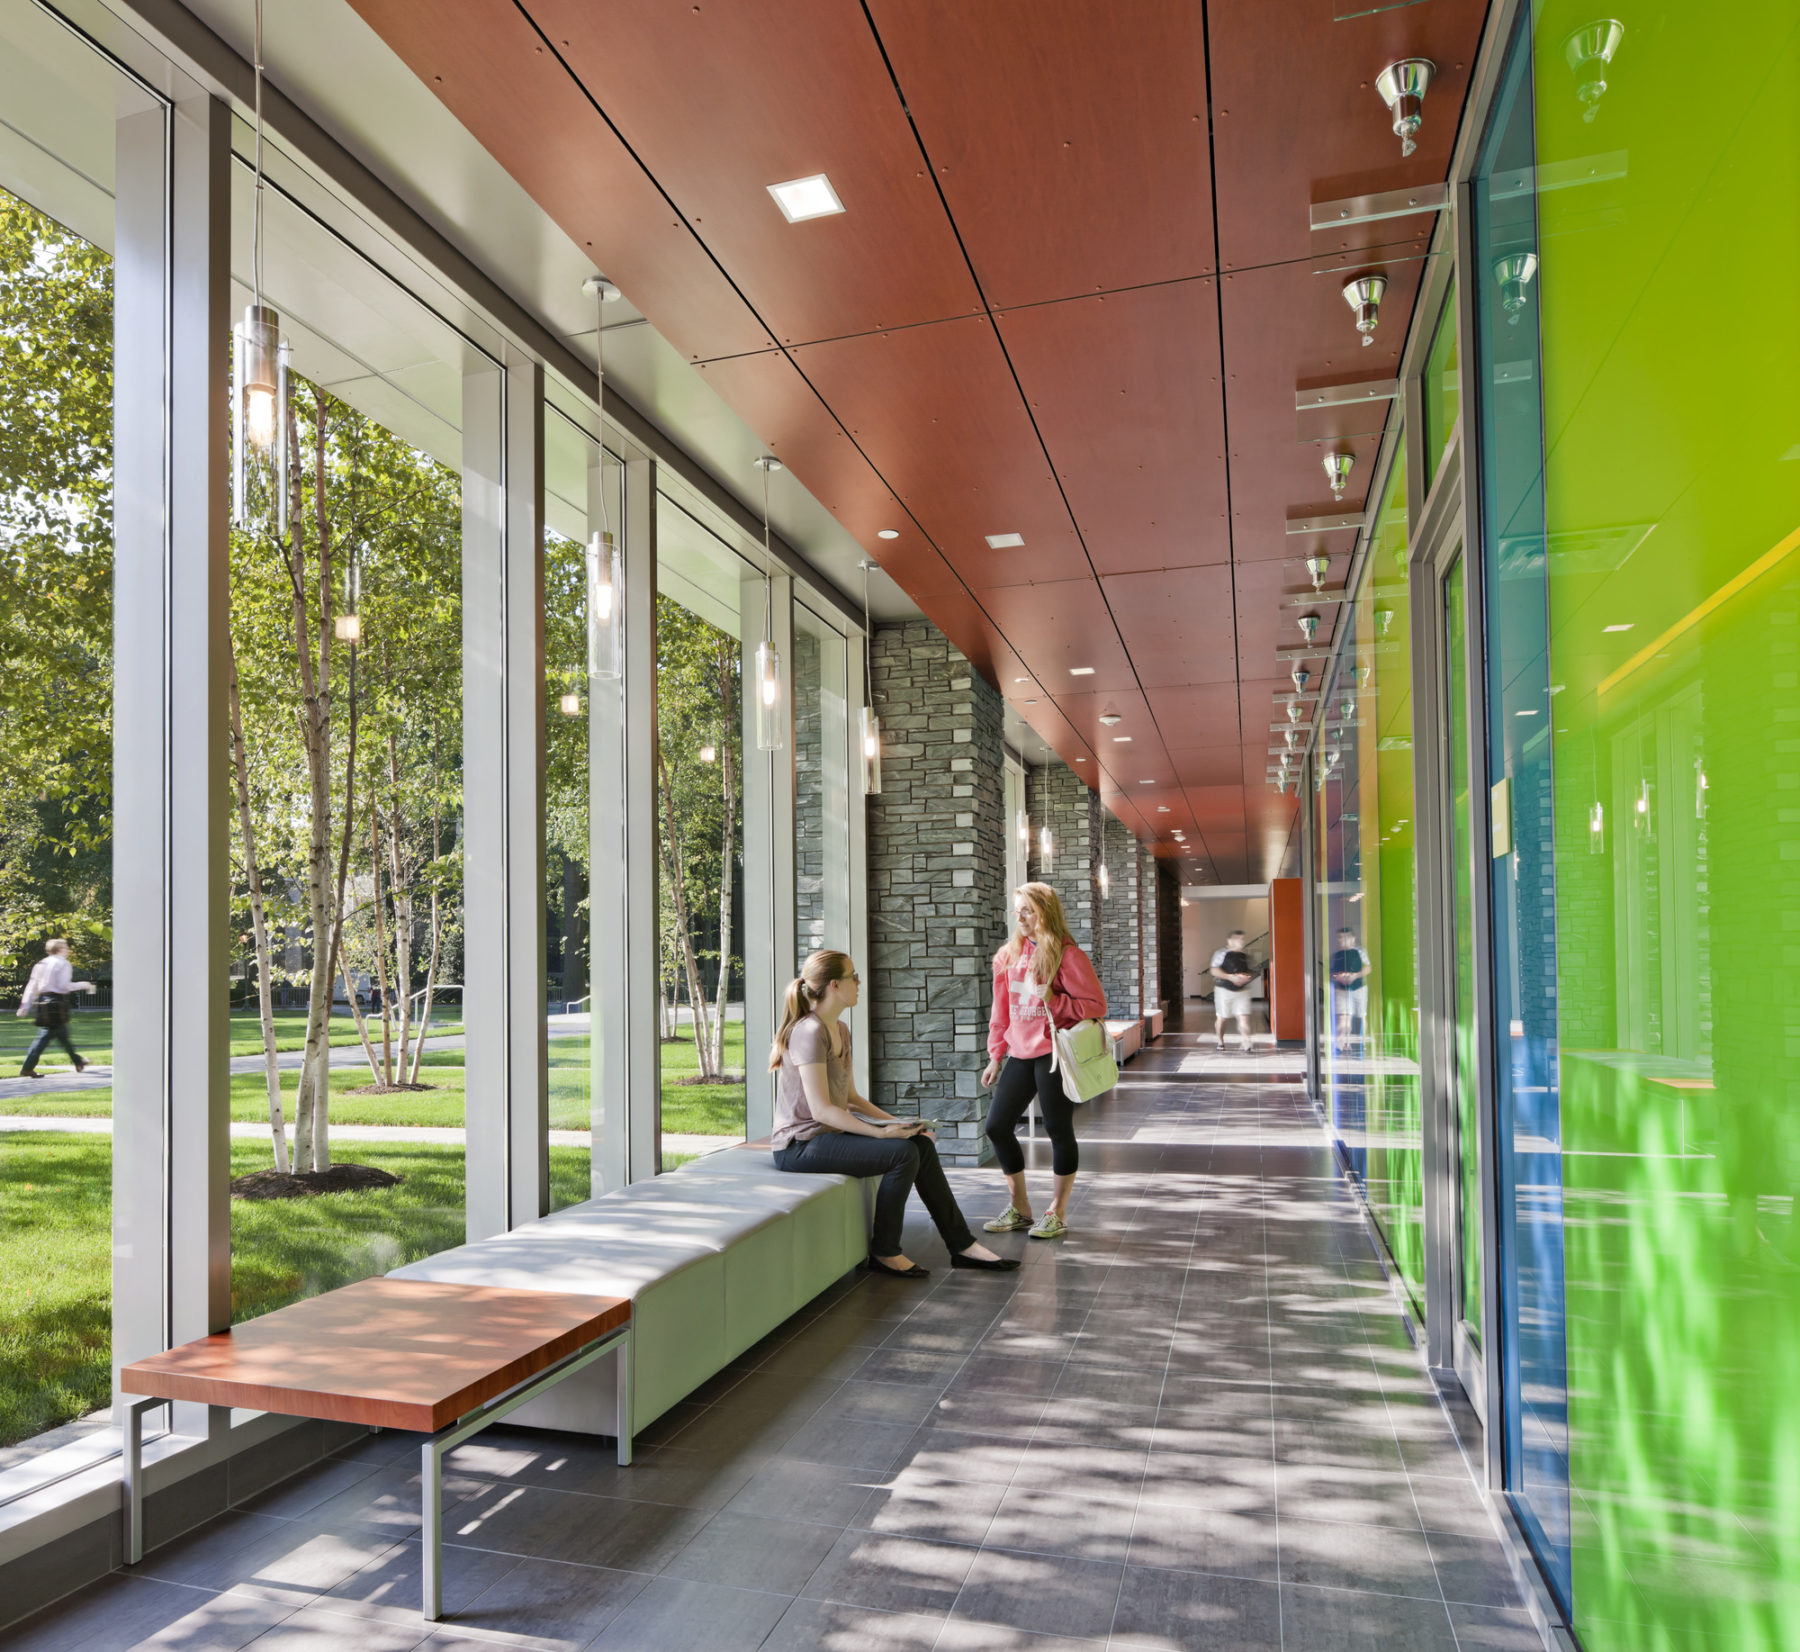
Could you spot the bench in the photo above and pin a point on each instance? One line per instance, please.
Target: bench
(1127, 1039)
(443, 1360)
(1153, 1026)
(711, 1257)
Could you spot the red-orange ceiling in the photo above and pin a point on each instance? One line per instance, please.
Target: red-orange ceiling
(1071, 297)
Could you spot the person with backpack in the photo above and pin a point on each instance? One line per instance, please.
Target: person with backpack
(1042, 982)
(46, 1000)
(1232, 974)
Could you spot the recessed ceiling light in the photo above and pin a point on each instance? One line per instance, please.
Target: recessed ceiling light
(1121, 739)
(887, 533)
(1021, 679)
(1146, 782)
(1618, 627)
(1031, 702)
(1526, 713)
(1004, 541)
(1080, 759)
(1081, 671)
(1111, 718)
(803, 198)
(1162, 808)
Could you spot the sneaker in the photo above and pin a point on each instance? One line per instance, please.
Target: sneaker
(1049, 1226)
(1008, 1221)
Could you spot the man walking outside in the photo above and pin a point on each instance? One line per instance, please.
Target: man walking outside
(47, 996)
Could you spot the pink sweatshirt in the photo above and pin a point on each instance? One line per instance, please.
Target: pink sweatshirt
(1019, 1025)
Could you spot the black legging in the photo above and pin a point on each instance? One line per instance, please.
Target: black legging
(904, 1163)
(1019, 1081)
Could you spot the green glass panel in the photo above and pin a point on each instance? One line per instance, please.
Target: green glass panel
(1442, 388)
(1462, 955)
(1670, 348)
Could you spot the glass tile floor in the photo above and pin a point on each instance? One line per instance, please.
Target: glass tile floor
(1195, 1422)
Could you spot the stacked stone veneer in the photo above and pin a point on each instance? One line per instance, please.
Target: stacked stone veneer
(1170, 984)
(1120, 961)
(1149, 973)
(1058, 798)
(809, 798)
(937, 883)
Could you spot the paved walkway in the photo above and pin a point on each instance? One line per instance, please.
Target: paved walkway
(1195, 1423)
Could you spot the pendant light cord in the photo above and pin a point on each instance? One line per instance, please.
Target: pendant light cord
(600, 394)
(868, 644)
(256, 238)
(768, 558)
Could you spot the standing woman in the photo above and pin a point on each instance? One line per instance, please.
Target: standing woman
(1042, 980)
(823, 1125)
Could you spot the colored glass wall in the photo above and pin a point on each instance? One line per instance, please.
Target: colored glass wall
(1670, 348)
(1369, 898)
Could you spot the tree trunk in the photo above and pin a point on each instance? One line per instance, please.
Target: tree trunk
(381, 962)
(437, 929)
(258, 924)
(671, 849)
(400, 886)
(729, 778)
(362, 1027)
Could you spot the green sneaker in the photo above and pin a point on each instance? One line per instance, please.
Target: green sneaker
(1049, 1226)
(1008, 1221)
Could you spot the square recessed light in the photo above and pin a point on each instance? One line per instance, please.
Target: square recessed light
(803, 198)
(1626, 627)
(1004, 541)
(1081, 671)
(1162, 808)
(1146, 782)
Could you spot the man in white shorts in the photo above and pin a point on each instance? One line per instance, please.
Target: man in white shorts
(1350, 988)
(1231, 990)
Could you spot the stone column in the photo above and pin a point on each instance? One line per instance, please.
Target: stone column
(1120, 960)
(1168, 940)
(937, 883)
(1058, 798)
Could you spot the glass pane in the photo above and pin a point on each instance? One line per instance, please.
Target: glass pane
(822, 780)
(700, 837)
(1371, 1060)
(346, 631)
(1463, 1075)
(59, 101)
(1523, 889)
(1442, 389)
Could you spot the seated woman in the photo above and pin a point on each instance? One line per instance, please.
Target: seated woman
(822, 1124)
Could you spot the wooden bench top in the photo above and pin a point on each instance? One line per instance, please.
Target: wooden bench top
(390, 1353)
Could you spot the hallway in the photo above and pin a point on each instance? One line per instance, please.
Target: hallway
(1197, 1422)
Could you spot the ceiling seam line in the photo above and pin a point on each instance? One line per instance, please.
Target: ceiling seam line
(1024, 400)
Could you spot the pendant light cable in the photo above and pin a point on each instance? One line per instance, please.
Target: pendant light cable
(256, 238)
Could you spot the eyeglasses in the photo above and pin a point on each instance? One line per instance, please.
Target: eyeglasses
(853, 978)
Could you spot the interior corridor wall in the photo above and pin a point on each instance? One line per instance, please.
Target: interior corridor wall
(1669, 572)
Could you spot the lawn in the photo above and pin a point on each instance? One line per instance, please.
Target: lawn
(56, 1268)
(91, 1031)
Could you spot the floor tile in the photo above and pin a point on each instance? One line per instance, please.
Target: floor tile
(1040, 1593)
(1379, 1559)
(313, 1628)
(753, 1551)
(820, 1494)
(1488, 1629)
(850, 1442)
(551, 1600)
(121, 1612)
(1473, 1570)
(1308, 1491)
(1181, 1538)
(829, 1626)
(592, 1531)
(1168, 1609)
(390, 1586)
(964, 1456)
(960, 1635)
(1047, 1521)
(918, 1503)
(895, 1574)
(1347, 1621)
(671, 1615)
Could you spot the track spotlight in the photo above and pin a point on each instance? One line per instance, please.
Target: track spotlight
(1364, 296)
(1402, 87)
(1337, 472)
(1589, 54)
(1514, 271)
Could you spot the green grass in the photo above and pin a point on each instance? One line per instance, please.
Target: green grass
(92, 1034)
(56, 1265)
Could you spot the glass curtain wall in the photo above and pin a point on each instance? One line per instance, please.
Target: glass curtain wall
(1647, 630)
(346, 762)
(700, 836)
(1367, 923)
(60, 105)
(822, 747)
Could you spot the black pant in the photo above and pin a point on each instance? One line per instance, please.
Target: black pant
(1019, 1081)
(902, 1164)
(60, 1032)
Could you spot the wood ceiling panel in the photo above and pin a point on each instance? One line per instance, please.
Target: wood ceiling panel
(939, 415)
(1060, 628)
(1070, 138)
(720, 101)
(1298, 119)
(772, 397)
(489, 68)
(1196, 715)
(1177, 624)
(1125, 389)
(1221, 764)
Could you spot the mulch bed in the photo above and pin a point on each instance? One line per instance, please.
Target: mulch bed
(386, 1089)
(695, 1078)
(307, 1184)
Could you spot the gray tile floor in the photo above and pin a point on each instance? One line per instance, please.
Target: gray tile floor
(1196, 1422)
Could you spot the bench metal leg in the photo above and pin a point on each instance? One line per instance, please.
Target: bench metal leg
(433, 1451)
(131, 1424)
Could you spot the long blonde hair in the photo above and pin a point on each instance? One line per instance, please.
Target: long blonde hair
(1052, 936)
(803, 995)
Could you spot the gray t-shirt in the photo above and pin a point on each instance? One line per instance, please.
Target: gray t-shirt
(808, 1045)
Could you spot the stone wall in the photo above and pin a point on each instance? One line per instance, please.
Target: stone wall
(1149, 975)
(1169, 962)
(809, 798)
(1120, 961)
(1058, 798)
(937, 883)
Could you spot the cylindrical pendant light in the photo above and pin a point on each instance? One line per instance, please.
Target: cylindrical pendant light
(771, 695)
(605, 566)
(871, 723)
(1045, 856)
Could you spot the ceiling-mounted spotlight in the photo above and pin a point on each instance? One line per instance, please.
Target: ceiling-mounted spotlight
(1364, 296)
(1384, 621)
(1402, 87)
(1318, 567)
(1301, 677)
(1589, 53)
(1309, 626)
(1110, 718)
(1337, 472)
(1514, 272)
(1294, 711)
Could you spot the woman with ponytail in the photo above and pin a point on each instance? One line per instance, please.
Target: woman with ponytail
(1042, 981)
(823, 1125)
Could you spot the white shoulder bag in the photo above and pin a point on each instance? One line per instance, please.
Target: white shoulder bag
(1083, 1055)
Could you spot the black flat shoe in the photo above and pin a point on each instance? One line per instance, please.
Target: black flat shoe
(914, 1272)
(999, 1264)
